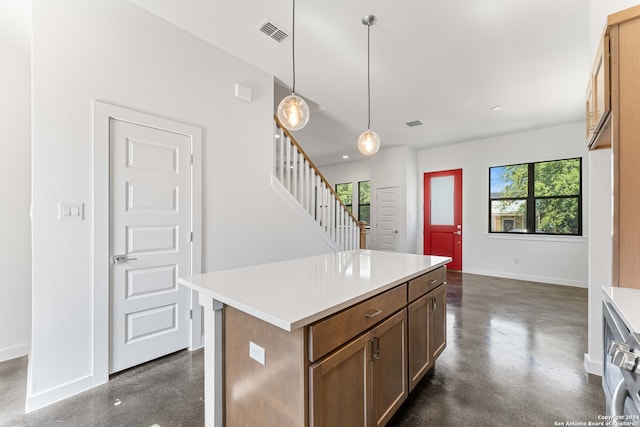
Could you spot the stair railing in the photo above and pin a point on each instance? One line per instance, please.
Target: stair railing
(301, 177)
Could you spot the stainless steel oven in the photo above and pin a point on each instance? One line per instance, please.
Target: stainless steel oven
(621, 376)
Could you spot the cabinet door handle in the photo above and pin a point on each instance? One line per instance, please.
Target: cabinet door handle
(376, 353)
(373, 313)
(434, 306)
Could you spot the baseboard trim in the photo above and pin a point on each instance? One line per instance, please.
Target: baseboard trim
(591, 366)
(529, 278)
(13, 352)
(57, 394)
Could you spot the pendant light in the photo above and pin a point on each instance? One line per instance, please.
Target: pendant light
(293, 111)
(369, 141)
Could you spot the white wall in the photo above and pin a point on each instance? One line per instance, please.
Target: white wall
(15, 179)
(559, 260)
(113, 51)
(392, 167)
(411, 171)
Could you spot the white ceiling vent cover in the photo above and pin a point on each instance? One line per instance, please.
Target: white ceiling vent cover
(273, 30)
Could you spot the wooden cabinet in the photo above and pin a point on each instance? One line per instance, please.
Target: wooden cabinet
(437, 322)
(364, 382)
(353, 368)
(340, 386)
(427, 332)
(617, 70)
(389, 368)
(598, 104)
(332, 332)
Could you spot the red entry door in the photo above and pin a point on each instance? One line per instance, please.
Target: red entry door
(443, 215)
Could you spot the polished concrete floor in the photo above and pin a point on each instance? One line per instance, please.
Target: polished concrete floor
(514, 358)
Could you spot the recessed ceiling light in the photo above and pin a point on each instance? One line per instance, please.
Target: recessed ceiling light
(345, 157)
(496, 108)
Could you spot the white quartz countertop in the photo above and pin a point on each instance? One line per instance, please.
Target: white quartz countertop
(295, 293)
(626, 301)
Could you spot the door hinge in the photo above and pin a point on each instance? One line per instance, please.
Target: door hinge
(191, 236)
(190, 314)
(191, 159)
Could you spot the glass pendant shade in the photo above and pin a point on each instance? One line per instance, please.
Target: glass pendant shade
(293, 112)
(368, 142)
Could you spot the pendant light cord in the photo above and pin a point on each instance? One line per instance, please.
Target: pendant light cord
(368, 77)
(293, 47)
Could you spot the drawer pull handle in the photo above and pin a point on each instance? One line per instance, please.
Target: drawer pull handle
(373, 313)
(432, 281)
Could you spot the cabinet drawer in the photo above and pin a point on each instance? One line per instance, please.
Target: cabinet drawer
(330, 333)
(423, 284)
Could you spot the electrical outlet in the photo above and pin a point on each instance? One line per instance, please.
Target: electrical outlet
(257, 353)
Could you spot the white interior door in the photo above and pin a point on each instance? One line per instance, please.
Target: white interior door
(387, 218)
(150, 232)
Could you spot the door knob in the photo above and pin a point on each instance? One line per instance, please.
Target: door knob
(121, 259)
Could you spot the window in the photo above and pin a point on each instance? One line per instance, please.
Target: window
(536, 198)
(364, 201)
(344, 192)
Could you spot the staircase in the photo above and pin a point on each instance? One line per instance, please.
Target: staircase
(302, 179)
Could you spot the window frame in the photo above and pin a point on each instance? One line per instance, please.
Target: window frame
(531, 199)
(349, 206)
(364, 204)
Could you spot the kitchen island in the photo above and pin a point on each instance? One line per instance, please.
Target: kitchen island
(340, 337)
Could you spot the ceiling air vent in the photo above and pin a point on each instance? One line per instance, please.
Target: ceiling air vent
(273, 30)
(414, 123)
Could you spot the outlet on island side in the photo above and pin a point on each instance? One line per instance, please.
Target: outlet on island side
(257, 353)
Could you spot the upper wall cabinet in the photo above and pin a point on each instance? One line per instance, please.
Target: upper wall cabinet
(618, 127)
(599, 97)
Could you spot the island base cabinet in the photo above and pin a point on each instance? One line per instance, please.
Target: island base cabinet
(340, 386)
(389, 368)
(271, 392)
(427, 332)
(438, 322)
(364, 382)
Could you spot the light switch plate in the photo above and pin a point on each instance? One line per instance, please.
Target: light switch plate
(257, 353)
(70, 211)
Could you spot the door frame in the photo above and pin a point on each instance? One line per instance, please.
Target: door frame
(400, 241)
(102, 114)
(458, 200)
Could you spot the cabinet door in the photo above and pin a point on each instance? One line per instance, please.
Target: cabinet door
(599, 97)
(340, 387)
(419, 356)
(601, 83)
(389, 367)
(437, 321)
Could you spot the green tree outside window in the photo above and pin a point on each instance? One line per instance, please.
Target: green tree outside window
(344, 192)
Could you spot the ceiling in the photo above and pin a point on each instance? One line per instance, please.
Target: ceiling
(443, 62)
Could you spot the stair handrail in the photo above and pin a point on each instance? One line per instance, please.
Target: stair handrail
(361, 224)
